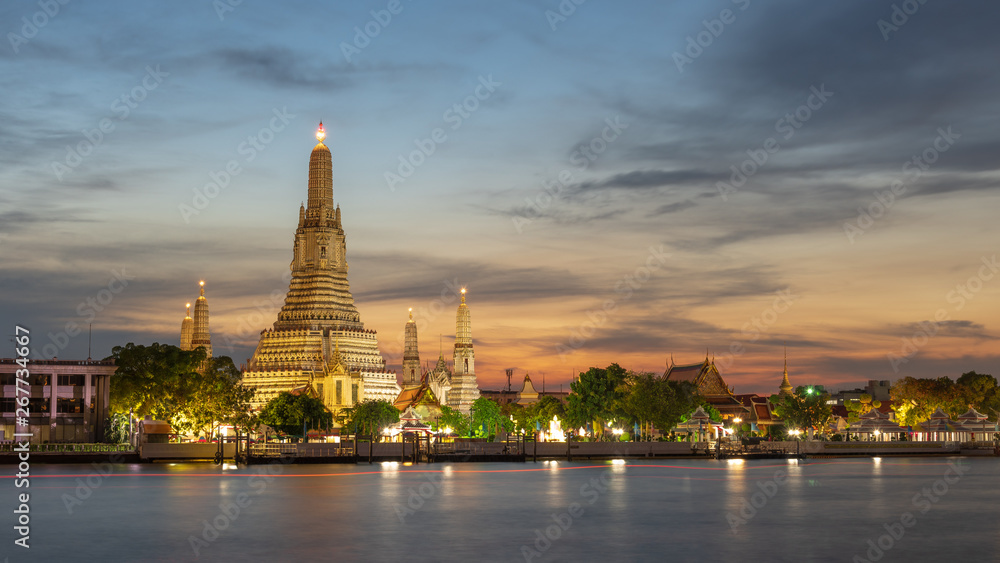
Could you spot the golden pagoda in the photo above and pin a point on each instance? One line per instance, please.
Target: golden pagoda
(187, 329)
(786, 387)
(200, 335)
(319, 329)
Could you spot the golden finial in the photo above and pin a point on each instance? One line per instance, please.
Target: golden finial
(463, 295)
(202, 284)
(320, 133)
(411, 313)
(188, 305)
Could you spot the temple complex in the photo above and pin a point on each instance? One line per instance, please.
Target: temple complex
(318, 338)
(706, 377)
(456, 388)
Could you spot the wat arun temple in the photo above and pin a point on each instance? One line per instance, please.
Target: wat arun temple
(318, 344)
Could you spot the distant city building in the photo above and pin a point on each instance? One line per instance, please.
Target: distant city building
(67, 401)
(318, 339)
(877, 388)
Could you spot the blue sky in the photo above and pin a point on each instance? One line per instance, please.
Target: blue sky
(555, 274)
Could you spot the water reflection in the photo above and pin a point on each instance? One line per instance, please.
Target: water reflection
(628, 510)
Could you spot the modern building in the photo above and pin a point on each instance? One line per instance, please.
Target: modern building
(318, 338)
(67, 400)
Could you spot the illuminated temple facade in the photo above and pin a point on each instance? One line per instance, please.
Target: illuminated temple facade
(456, 388)
(318, 340)
(706, 377)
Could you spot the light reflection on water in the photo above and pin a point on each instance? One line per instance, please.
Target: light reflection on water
(813, 510)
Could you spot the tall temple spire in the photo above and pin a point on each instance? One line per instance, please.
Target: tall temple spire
(411, 356)
(786, 386)
(319, 321)
(187, 329)
(200, 335)
(320, 177)
(464, 389)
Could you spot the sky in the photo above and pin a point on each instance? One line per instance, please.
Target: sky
(614, 182)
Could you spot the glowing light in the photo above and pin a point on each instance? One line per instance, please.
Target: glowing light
(187, 305)
(618, 462)
(463, 291)
(202, 283)
(447, 430)
(736, 461)
(320, 133)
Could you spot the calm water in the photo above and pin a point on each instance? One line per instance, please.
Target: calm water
(816, 510)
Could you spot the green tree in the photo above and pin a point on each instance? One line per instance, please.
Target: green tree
(914, 400)
(487, 418)
(980, 392)
(857, 407)
(806, 408)
(370, 417)
(663, 403)
(157, 381)
(596, 397)
(116, 429)
(219, 398)
(454, 419)
(287, 413)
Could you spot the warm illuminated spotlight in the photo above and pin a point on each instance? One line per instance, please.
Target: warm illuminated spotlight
(618, 462)
(320, 133)
(877, 460)
(736, 461)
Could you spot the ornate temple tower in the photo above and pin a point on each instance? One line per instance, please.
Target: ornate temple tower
(319, 315)
(187, 329)
(464, 387)
(411, 357)
(786, 387)
(200, 336)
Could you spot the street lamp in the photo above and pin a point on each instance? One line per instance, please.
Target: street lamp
(736, 426)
